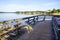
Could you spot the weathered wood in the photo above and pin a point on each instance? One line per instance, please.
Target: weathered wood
(17, 20)
(55, 26)
(34, 20)
(28, 20)
(37, 18)
(42, 31)
(44, 18)
(55, 31)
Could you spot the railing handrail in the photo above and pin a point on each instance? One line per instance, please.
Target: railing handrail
(21, 18)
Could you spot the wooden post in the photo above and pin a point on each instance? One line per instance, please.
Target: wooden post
(37, 18)
(44, 18)
(28, 20)
(34, 20)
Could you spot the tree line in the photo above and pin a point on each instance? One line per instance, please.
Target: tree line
(54, 10)
(49, 12)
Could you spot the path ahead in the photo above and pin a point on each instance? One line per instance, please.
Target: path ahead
(42, 31)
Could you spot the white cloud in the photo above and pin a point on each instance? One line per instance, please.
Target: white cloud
(15, 7)
(50, 4)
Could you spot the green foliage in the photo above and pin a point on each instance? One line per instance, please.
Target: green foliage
(58, 10)
(55, 11)
(48, 13)
(32, 13)
(17, 12)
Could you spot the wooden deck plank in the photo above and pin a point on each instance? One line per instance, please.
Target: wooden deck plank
(42, 31)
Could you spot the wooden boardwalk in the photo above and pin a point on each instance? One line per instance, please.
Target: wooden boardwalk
(42, 31)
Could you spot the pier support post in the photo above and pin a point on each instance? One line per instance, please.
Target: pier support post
(34, 20)
(37, 18)
(44, 18)
(28, 20)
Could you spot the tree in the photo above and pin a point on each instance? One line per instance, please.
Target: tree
(48, 12)
(54, 11)
(58, 10)
(17, 12)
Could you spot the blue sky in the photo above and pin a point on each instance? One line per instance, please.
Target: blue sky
(28, 5)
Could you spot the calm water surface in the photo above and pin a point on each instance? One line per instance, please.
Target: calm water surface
(9, 16)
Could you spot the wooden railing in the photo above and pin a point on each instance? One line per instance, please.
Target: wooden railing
(6, 30)
(34, 19)
(55, 26)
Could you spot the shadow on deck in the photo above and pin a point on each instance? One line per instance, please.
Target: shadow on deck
(42, 31)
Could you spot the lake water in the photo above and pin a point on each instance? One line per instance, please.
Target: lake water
(9, 16)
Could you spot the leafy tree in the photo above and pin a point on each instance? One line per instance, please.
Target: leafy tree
(17, 12)
(55, 10)
(58, 10)
(48, 13)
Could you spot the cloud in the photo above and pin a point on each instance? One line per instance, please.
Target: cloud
(50, 4)
(17, 7)
(14, 7)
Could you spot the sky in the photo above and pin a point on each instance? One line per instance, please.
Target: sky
(28, 5)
